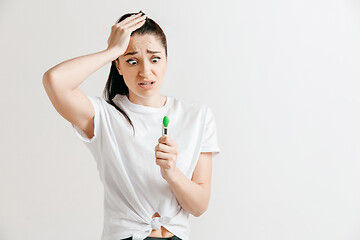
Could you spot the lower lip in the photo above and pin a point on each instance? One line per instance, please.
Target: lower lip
(147, 86)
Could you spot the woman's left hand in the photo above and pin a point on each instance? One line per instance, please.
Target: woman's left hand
(166, 155)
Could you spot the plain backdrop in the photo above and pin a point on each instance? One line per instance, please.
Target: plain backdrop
(282, 78)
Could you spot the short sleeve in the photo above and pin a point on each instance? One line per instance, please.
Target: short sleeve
(209, 141)
(96, 102)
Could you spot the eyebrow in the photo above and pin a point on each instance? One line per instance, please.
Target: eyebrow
(148, 51)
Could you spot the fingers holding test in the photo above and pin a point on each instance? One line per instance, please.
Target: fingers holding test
(168, 141)
(161, 155)
(165, 148)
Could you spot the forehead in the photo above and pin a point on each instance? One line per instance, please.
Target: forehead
(142, 42)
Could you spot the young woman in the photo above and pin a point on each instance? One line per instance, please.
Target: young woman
(151, 182)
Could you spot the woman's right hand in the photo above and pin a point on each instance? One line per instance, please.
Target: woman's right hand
(120, 33)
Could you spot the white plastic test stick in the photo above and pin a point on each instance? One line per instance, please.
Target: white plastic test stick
(165, 125)
(164, 130)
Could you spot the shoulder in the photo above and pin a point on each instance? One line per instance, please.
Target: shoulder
(196, 109)
(100, 102)
(102, 107)
(190, 105)
(96, 100)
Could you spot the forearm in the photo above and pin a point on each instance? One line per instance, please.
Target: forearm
(69, 74)
(192, 197)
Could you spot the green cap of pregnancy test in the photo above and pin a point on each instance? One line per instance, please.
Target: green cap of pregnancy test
(166, 121)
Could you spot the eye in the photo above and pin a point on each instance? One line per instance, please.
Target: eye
(130, 60)
(157, 58)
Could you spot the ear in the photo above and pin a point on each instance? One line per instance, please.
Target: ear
(118, 66)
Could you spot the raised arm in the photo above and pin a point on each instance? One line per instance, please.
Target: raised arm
(61, 82)
(61, 85)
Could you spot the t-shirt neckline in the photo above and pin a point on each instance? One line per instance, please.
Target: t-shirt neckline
(141, 108)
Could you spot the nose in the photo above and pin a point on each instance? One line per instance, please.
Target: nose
(145, 69)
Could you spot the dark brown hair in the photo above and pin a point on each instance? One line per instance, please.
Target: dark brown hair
(115, 83)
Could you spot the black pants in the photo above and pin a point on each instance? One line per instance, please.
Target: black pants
(157, 238)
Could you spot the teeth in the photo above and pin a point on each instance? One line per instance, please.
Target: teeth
(146, 83)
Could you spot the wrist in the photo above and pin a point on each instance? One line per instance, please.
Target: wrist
(113, 53)
(174, 179)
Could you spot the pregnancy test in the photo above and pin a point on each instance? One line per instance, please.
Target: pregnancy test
(166, 121)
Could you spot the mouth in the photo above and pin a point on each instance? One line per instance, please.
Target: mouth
(146, 85)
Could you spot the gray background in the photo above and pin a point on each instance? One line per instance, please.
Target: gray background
(281, 76)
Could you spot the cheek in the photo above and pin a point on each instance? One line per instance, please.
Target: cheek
(129, 76)
(160, 70)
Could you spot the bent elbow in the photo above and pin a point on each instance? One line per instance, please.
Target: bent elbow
(46, 79)
(48, 76)
(200, 212)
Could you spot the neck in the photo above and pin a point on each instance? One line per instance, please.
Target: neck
(156, 101)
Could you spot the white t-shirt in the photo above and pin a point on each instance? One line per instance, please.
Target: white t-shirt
(134, 189)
